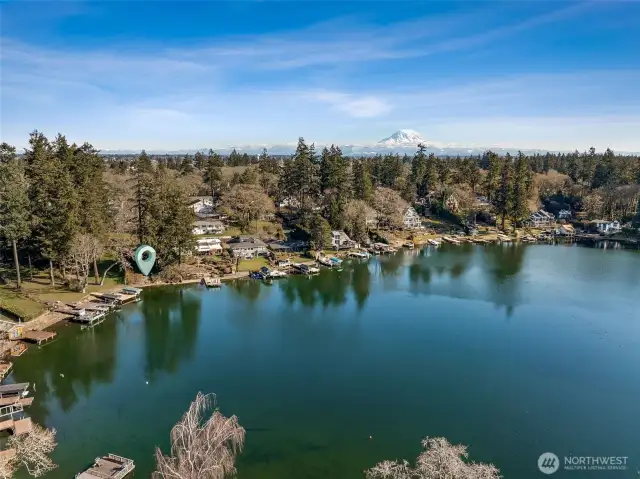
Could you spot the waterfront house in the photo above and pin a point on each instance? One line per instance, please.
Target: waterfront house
(565, 230)
(606, 227)
(288, 202)
(208, 246)
(279, 247)
(541, 218)
(201, 204)
(247, 246)
(340, 240)
(564, 214)
(411, 219)
(207, 227)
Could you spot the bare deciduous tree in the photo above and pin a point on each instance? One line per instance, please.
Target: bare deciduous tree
(438, 460)
(247, 203)
(31, 451)
(390, 207)
(85, 248)
(204, 444)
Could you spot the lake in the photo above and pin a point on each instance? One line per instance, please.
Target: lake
(512, 350)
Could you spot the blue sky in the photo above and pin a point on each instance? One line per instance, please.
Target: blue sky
(173, 75)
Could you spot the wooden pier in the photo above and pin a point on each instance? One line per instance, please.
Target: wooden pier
(38, 337)
(18, 349)
(211, 282)
(18, 426)
(5, 369)
(108, 467)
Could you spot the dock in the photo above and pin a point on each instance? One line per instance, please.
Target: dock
(38, 337)
(14, 390)
(5, 369)
(211, 282)
(19, 426)
(18, 349)
(108, 467)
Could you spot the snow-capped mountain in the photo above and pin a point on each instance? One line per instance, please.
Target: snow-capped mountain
(403, 137)
(402, 141)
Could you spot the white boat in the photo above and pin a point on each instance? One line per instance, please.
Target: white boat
(276, 273)
(359, 254)
(433, 242)
(324, 261)
(448, 239)
(408, 244)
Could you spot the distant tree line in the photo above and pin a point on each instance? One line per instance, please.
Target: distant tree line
(61, 203)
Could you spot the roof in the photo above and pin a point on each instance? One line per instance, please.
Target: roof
(568, 227)
(208, 223)
(245, 245)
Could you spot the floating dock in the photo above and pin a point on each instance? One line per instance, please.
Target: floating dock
(19, 426)
(18, 349)
(108, 467)
(5, 369)
(211, 282)
(38, 337)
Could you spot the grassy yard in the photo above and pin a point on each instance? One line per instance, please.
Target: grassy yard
(29, 301)
(252, 264)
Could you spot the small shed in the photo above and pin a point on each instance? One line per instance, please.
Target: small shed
(15, 332)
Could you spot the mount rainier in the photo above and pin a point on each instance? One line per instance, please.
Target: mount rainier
(402, 141)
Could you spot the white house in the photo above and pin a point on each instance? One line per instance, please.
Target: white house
(565, 230)
(541, 218)
(288, 202)
(208, 227)
(607, 227)
(411, 218)
(340, 240)
(209, 246)
(247, 246)
(202, 205)
(564, 214)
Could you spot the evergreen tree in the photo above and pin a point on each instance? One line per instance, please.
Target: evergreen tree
(171, 230)
(14, 201)
(199, 160)
(430, 178)
(186, 166)
(52, 196)
(212, 174)
(492, 178)
(94, 215)
(520, 191)
(418, 169)
(362, 185)
(144, 184)
(471, 172)
(320, 233)
(503, 198)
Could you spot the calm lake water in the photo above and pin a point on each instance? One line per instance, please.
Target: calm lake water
(512, 350)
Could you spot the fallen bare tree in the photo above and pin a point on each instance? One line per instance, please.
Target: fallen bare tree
(438, 460)
(31, 451)
(204, 444)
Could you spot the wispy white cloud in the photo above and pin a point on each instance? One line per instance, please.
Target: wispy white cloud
(266, 89)
(357, 106)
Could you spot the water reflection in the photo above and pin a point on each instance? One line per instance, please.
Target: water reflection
(172, 317)
(68, 373)
(504, 263)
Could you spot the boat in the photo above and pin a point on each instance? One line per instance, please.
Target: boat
(255, 275)
(108, 467)
(451, 240)
(433, 242)
(408, 244)
(335, 261)
(211, 282)
(276, 273)
(360, 254)
(324, 261)
(305, 268)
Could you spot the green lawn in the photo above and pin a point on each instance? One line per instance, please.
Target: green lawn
(252, 264)
(28, 302)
